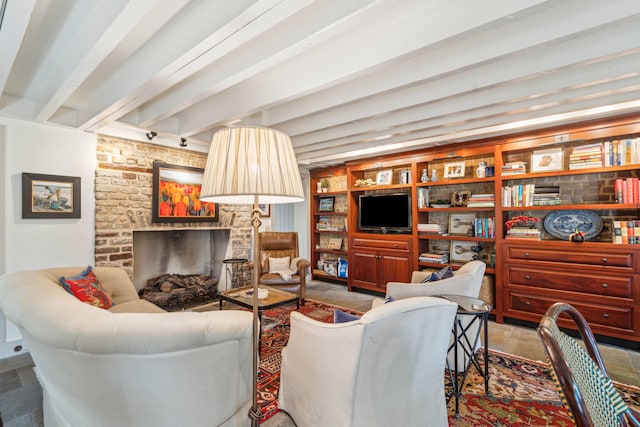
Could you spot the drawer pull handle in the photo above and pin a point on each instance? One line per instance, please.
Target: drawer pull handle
(527, 277)
(527, 303)
(606, 316)
(604, 285)
(526, 254)
(604, 259)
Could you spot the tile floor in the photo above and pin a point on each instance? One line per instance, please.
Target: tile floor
(21, 395)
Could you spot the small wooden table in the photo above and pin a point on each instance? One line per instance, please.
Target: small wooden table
(244, 298)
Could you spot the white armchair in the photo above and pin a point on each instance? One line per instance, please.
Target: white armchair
(465, 281)
(384, 369)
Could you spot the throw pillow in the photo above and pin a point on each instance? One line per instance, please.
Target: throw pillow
(389, 299)
(445, 273)
(87, 288)
(278, 264)
(340, 316)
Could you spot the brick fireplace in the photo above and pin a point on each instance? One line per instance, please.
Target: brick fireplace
(123, 191)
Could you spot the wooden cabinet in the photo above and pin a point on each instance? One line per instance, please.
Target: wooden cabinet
(580, 167)
(600, 280)
(329, 218)
(375, 261)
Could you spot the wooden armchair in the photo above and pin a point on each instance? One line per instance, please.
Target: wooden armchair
(588, 392)
(278, 246)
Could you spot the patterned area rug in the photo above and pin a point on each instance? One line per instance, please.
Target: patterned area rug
(522, 392)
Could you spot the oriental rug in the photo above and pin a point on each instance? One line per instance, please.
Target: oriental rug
(522, 391)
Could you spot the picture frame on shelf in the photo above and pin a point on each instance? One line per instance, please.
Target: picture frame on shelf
(172, 185)
(50, 196)
(454, 170)
(335, 243)
(461, 251)
(325, 204)
(384, 177)
(461, 224)
(549, 160)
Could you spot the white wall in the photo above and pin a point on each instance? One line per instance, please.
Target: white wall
(41, 243)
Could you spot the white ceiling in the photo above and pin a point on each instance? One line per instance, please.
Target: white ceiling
(343, 78)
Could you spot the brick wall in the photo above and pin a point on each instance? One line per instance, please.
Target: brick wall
(123, 192)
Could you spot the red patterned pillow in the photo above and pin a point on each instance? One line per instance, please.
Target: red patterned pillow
(87, 288)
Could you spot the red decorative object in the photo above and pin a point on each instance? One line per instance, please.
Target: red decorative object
(521, 221)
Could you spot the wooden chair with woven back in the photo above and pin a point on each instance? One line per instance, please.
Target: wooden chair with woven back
(585, 387)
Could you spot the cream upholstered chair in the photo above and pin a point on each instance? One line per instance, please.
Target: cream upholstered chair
(465, 281)
(384, 369)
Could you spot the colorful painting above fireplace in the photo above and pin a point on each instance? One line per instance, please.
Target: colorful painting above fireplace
(176, 195)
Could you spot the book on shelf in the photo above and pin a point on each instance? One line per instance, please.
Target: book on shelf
(431, 228)
(433, 257)
(627, 190)
(481, 201)
(484, 227)
(626, 232)
(523, 233)
(514, 168)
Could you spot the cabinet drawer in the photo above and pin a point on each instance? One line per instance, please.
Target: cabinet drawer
(621, 259)
(603, 315)
(573, 281)
(381, 244)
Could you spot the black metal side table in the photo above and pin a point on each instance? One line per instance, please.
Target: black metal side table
(471, 320)
(234, 271)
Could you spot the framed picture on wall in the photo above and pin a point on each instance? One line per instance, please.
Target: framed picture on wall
(176, 195)
(326, 204)
(265, 210)
(454, 170)
(50, 196)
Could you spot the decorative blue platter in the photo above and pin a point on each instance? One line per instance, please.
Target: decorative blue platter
(560, 224)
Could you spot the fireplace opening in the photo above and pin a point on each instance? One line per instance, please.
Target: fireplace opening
(180, 268)
(175, 292)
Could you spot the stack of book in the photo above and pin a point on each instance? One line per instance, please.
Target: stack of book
(434, 257)
(523, 233)
(627, 190)
(518, 195)
(514, 168)
(548, 195)
(587, 156)
(481, 201)
(626, 232)
(431, 228)
(622, 152)
(484, 227)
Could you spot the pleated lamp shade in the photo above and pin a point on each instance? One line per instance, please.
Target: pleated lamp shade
(249, 162)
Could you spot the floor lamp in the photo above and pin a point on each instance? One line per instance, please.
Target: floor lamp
(252, 165)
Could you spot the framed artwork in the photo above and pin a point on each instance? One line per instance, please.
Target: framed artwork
(335, 243)
(454, 170)
(50, 196)
(176, 195)
(326, 204)
(265, 210)
(462, 251)
(384, 177)
(461, 224)
(547, 160)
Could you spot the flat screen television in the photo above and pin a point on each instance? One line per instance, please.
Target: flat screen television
(385, 213)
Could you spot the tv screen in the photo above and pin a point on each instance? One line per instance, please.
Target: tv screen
(385, 213)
